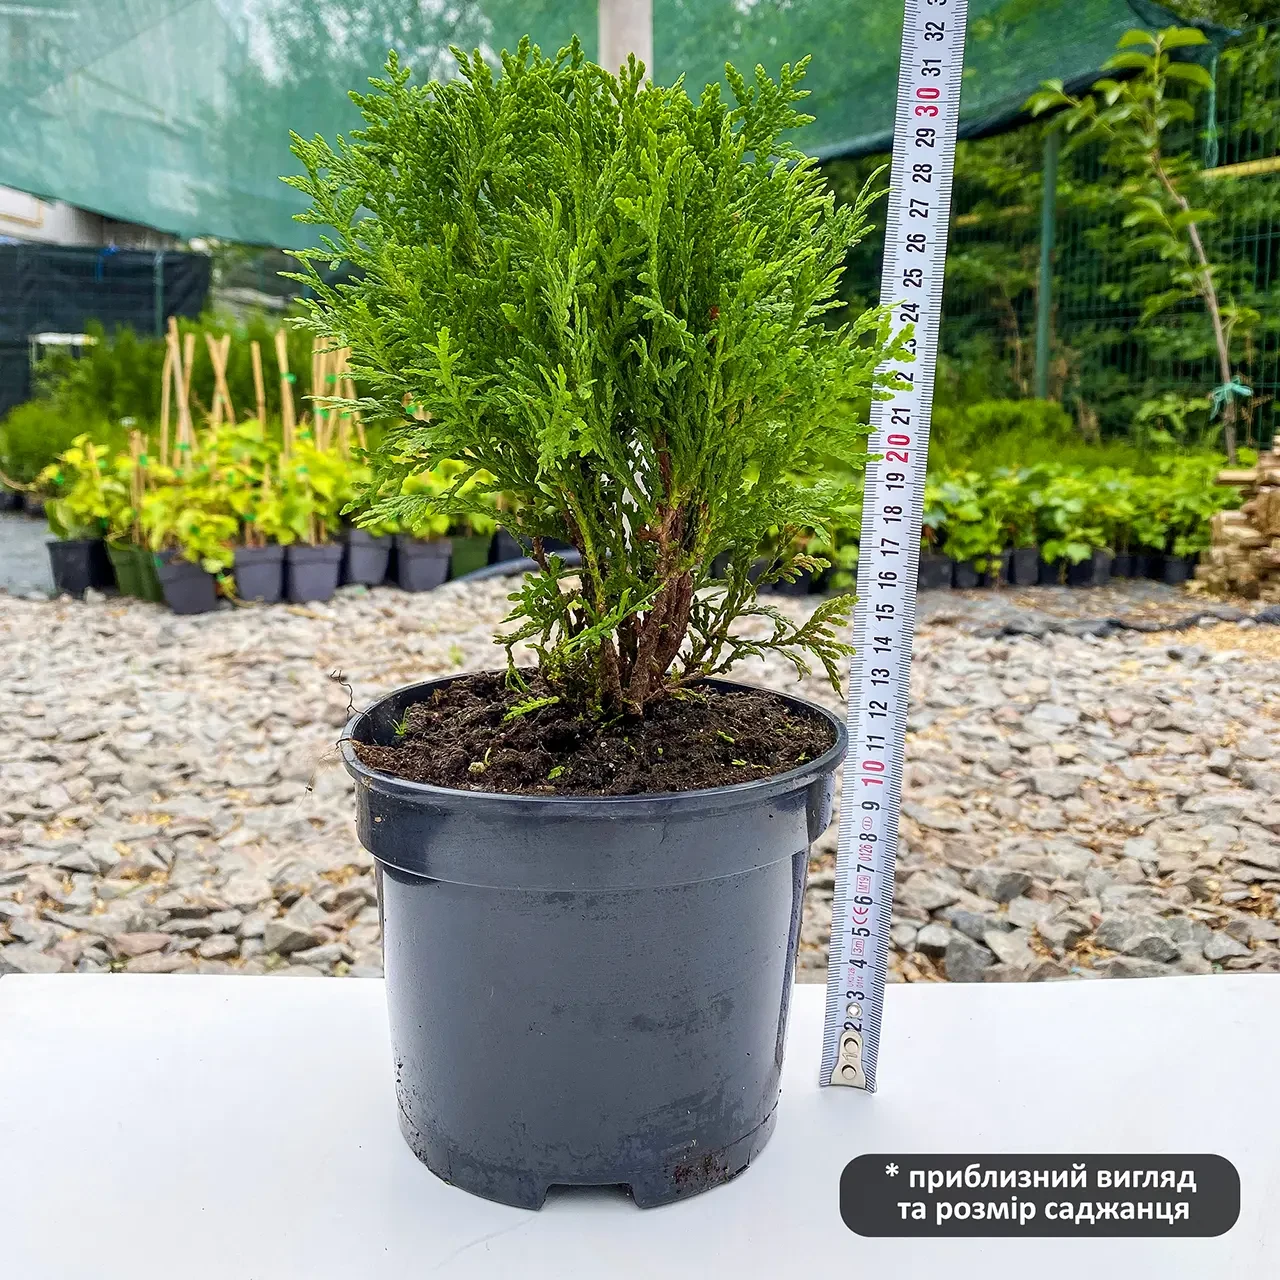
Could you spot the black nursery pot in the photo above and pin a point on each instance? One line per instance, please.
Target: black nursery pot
(311, 573)
(366, 558)
(1080, 575)
(187, 587)
(1122, 565)
(78, 564)
(1177, 569)
(965, 575)
(259, 573)
(1148, 564)
(934, 572)
(1049, 573)
(1024, 566)
(506, 547)
(1100, 567)
(422, 564)
(643, 951)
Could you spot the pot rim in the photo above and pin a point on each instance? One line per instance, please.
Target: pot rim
(751, 792)
(332, 550)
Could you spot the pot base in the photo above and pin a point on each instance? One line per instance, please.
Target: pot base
(648, 1187)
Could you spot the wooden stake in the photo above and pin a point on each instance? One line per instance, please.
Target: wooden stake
(181, 381)
(225, 353)
(188, 363)
(349, 390)
(166, 389)
(253, 535)
(317, 360)
(319, 414)
(219, 350)
(259, 389)
(287, 419)
(215, 405)
(135, 482)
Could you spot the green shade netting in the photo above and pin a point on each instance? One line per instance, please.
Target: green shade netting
(176, 113)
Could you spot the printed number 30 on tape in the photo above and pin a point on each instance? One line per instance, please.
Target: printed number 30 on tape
(924, 144)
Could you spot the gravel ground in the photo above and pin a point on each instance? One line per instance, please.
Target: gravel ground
(1075, 805)
(24, 563)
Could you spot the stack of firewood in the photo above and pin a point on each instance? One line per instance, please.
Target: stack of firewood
(1244, 557)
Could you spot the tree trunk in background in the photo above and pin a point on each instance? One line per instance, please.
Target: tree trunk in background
(626, 26)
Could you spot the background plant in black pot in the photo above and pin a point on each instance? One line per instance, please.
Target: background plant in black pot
(612, 299)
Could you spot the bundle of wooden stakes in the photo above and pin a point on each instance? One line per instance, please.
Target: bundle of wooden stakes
(334, 423)
(1244, 555)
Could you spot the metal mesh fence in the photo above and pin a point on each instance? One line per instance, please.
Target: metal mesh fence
(1108, 369)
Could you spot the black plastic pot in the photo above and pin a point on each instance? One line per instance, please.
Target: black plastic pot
(1051, 572)
(1024, 566)
(588, 991)
(1100, 567)
(1080, 575)
(259, 573)
(934, 572)
(311, 572)
(78, 564)
(1122, 565)
(187, 587)
(965, 575)
(33, 505)
(422, 564)
(1177, 569)
(366, 559)
(506, 546)
(10, 499)
(1148, 564)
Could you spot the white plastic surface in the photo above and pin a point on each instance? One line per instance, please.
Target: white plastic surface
(221, 1128)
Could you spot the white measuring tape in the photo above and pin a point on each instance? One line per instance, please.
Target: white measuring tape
(884, 619)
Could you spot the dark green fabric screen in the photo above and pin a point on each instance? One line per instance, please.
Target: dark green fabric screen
(175, 113)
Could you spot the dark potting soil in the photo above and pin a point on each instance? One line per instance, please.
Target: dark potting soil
(706, 738)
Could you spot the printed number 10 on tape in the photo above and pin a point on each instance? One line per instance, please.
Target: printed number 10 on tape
(924, 143)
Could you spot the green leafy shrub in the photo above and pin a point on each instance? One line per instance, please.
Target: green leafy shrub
(1071, 511)
(972, 523)
(33, 434)
(191, 516)
(1070, 528)
(612, 299)
(993, 433)
(86, 491)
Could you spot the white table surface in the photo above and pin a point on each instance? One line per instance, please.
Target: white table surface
(232, 1128)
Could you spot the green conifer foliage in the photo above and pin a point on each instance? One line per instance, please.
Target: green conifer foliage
(610, 301)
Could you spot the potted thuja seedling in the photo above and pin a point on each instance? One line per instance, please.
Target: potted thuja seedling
(613, 300)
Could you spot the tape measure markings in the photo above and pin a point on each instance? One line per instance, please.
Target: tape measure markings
(916, 228)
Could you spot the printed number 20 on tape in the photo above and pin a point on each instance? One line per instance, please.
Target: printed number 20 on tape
(924, 143)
